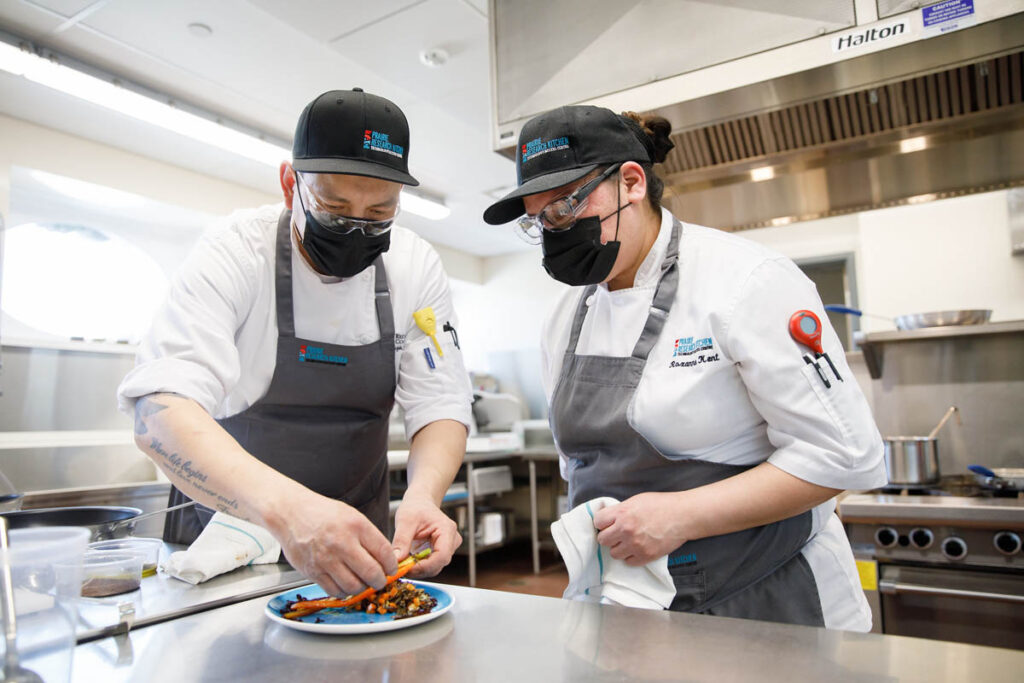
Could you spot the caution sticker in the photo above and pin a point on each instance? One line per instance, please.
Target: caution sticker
(868, 572)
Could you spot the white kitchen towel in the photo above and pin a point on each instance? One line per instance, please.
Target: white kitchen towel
(225, 544)
(595, 576)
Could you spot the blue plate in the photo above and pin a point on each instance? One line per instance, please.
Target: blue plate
(341, 621)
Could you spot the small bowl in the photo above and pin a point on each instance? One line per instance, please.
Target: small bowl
(109, 572)
(149, 548)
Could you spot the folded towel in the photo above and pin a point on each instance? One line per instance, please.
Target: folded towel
(595, 576)
(225, 544)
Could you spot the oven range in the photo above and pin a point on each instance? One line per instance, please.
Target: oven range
(942, 562)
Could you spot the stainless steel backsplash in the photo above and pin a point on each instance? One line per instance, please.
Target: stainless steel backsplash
(983, 376)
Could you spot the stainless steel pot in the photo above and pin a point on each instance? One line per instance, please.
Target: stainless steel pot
(102, 521)
(914, 460)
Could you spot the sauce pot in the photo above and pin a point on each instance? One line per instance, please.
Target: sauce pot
(914, 460)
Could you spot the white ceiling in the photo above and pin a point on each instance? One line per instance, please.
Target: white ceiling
(264, 60)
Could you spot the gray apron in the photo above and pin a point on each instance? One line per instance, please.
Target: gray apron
(324, 419)
(756, 573)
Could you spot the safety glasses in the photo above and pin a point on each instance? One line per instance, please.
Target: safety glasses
(561, 214)
(335, 222)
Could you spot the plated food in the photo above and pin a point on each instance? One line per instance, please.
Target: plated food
(401, 600)
(353, 620)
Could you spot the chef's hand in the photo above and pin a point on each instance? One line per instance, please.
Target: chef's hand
(335, 545)
(642, 528)
(418, 521)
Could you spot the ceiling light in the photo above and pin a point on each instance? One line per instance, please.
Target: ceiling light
(784, 220)
(763, 173)
(113, 96)
(913, 144)
(88, 192)
(433, 209)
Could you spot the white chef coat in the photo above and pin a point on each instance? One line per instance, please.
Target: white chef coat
(726, 383)
(214, 339)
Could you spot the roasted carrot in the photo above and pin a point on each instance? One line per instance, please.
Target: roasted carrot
(306, 607)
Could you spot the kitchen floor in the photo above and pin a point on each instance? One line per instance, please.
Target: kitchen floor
(510, 569)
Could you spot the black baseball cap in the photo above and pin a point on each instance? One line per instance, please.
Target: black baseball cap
(565, 144)
(353, 132)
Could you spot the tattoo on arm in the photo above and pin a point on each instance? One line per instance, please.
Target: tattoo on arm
(144, 408)
(189, 474)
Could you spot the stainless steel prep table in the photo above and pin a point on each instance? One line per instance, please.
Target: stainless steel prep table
(494, 636)
(161, 597)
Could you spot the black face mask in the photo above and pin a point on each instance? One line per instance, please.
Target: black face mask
(333, 253)
(576, 256)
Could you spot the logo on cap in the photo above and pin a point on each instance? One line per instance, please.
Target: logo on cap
(536, 147)
(378, 142)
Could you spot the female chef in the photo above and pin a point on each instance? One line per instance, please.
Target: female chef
(264, 387)
(677, 388)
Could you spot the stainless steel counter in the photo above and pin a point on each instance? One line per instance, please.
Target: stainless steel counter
(161, 597)
(872, 507)
(494, 636)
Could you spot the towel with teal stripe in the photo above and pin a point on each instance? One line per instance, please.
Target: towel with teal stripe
(226, 544)
(596, 576)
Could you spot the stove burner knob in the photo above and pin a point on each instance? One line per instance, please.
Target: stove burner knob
(954, 548)
(886, 537)
(922, 538)
(1007, 542)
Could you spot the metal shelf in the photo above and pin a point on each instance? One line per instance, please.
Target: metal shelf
(873, 345)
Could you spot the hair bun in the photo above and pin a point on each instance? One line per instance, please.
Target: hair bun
(657, 129)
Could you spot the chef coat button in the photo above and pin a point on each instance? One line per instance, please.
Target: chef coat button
(590, 300)
(365, 339)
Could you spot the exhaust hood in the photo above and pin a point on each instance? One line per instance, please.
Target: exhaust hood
(923, 120)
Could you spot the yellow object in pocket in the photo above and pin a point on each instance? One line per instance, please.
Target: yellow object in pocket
(868, 571)
(426, 321)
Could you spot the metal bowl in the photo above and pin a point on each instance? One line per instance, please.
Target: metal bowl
(916, 321)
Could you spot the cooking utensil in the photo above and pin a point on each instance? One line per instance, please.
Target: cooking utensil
(13, 671)
(948, 414)
(103, 521)
(1001, 478)
(916, 321)
(914, 460)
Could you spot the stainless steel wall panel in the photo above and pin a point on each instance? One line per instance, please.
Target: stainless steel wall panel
(887, 8)
(49, 389)
(45, 469)
(548, 54)
(983, 376)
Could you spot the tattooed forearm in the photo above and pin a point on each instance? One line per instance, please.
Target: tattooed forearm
(144, 408)
(192, 475)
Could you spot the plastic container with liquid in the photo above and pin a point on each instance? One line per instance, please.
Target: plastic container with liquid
(149, 548)
(110, 572)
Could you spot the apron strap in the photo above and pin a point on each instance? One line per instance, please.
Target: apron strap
(382, 299)
(283, 276)
(664, 296)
